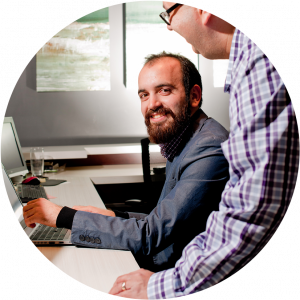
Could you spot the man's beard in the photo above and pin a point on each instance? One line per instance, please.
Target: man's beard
(164, 132)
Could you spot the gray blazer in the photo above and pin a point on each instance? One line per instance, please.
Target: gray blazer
(194, 183)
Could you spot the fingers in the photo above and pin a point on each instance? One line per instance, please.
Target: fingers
(34, 203)
(30, 209)
(41, 211)
(125, 294)
(117, 287)
(30, 204)
(95, 210)
(30, 222)
(92, 209)
(135, 283)
(82, 208)
(29, 219)
(78, 207)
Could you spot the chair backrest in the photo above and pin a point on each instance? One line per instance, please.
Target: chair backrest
(146, 160)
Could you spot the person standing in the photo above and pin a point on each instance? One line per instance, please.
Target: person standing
(263, 156)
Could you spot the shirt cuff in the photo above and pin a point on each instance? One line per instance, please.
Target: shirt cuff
(160, 285)
(65, 218)
(121, 214)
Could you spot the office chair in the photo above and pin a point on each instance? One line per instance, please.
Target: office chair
(146, 174)
(146, 161)
(147, 193)
(143, 192)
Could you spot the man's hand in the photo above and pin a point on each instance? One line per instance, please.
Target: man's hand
(41, 211)
(95, 210)
(135, 284)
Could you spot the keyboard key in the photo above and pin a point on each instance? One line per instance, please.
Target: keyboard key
(31, 191)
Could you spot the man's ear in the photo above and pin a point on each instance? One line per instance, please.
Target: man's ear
(206, 16)
(195, 96)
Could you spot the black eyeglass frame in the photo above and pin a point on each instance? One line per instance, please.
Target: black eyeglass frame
(167, 12)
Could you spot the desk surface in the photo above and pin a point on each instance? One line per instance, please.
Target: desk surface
(82, 151)
(97, 268)
(100, 171)
(108, 174)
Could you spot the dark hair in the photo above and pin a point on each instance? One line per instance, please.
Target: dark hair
(190, 74)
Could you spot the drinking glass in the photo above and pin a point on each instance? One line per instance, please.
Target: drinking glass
(37, 161)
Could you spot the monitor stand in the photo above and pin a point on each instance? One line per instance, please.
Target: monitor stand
(17, 179)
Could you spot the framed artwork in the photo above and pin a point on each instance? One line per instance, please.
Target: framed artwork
(77, 58)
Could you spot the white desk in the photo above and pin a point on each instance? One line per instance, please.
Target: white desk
(82, 151)
(108, 174)
(97, 268)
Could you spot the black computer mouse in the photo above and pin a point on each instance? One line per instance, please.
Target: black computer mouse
(31, 181)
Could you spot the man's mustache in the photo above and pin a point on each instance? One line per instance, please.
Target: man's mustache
(160, 110)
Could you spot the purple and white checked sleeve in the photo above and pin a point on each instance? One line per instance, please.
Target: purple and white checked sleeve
(263, 155)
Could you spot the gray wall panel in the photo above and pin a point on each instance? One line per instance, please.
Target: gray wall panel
(98, 117)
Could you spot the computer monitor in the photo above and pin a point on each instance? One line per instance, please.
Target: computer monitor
(11, 151)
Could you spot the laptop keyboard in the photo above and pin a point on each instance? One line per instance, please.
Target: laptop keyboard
(30, 192)
(43, 233)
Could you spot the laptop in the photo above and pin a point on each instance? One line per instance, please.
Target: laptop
(41, 235)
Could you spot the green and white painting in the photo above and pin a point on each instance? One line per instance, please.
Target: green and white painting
(77, 58)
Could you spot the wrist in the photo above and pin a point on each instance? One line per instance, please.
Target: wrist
(111, 213)
(65, 217)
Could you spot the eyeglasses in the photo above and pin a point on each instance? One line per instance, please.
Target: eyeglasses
(166, 14)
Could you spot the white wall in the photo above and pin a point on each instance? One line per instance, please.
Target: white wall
(215, 101)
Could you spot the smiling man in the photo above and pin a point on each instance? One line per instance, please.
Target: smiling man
(170, 91)
(164, 102)
(263, 155)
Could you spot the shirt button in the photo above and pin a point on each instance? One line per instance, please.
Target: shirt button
(81, 237)
(87, 238)
(97, 241)
(92, 240)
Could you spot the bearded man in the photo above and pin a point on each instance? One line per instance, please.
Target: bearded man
(263, 155)
(170, 91)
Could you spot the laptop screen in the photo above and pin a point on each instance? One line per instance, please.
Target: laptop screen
(40, 236)
(9, 151)
(13, 197)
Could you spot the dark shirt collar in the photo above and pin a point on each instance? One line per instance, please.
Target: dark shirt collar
(169, 150)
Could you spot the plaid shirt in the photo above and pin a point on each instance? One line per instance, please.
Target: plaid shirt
(263, 155)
